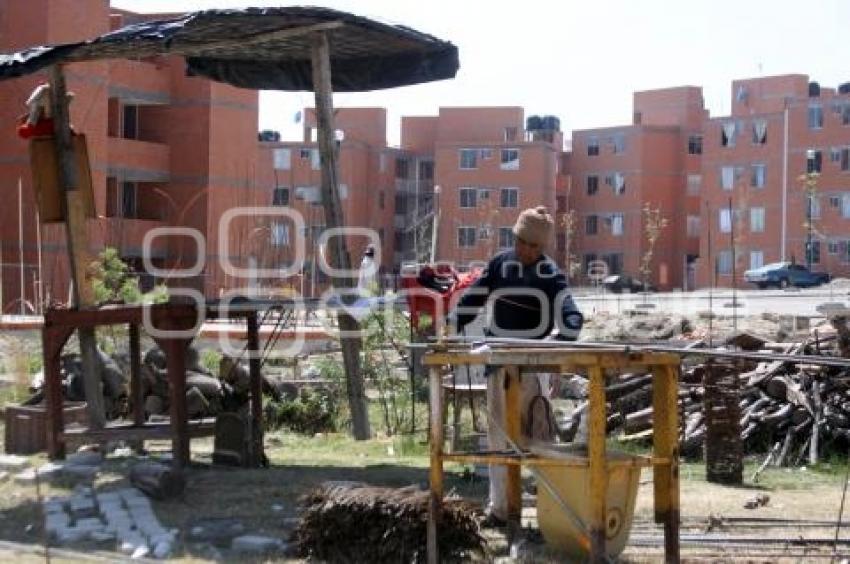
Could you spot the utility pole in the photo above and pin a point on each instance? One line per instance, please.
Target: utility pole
(810, 183)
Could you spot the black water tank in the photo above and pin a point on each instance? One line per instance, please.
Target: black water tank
(269, 136)
(844, 88)
(551, 123)
(533, 123)
(814, 90)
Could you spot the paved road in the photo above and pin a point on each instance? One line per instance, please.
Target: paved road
(749, 302)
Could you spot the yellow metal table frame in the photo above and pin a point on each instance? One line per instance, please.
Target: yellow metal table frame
(596, 364)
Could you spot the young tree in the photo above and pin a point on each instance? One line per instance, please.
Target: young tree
(653, 224)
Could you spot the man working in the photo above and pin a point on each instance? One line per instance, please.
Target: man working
(530, 297)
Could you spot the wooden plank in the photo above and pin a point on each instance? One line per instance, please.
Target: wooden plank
(435, 502)
(666, 445)
(513, 428)
(597, 464)
(149, 431)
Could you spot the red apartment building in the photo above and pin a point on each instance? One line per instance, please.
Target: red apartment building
(165, 150)
(615, 171)
(752, 163)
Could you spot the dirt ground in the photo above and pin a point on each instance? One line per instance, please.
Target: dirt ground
(266, 502)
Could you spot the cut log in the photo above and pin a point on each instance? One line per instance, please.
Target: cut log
(638, 421)
(786, 447)
(157, 480)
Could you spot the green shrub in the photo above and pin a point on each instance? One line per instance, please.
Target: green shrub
(315, 410)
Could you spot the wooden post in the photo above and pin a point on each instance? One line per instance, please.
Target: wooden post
(597, 463)
(513, 428)
(77, 243)
(256, 389)
(340, 258)
(52, 341)
(665, 439)
(175, 351)
(136, 397)
(435, 501)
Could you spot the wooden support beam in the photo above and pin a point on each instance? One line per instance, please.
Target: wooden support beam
(137, 399)
(74, 211)
(256, 390)
(435, 502)
(175, 353)
(665, 441)
(513, 428)
(597, 464)
(350, 342)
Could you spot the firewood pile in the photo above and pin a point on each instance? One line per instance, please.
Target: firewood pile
(355, 522)
(795, 412)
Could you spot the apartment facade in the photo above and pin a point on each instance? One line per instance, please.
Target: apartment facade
(615, 173)
(755, 204)
(166, 150)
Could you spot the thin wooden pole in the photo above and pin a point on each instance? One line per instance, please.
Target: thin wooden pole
(256, 389)
(597, 464)
(435, 502)
(77, 243)
(513, 428)
(350, 343)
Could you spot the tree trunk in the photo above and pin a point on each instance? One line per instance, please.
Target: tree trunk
(350, 339)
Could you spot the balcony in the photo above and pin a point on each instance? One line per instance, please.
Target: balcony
(138, 161)
(127, 236)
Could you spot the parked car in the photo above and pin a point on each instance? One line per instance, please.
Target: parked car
(784, 274)
(619, 283)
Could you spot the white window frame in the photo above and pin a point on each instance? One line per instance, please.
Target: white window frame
(461, 240)
(617, 224)
(757, 219)
(724, 262)
(282, 157)
(756, 259)
(510, 163)
(812, 118)
(694, 182)
(506, 233)
(725, 218)
(693, 226)
(470, 194)
(758, 180)
(472, 155)
(279, 234)
(512, 199)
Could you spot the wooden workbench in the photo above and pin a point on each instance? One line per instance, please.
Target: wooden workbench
(596, 364)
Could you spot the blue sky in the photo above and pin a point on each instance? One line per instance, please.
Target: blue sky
(581, 60)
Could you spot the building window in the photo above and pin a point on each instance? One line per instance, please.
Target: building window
(815, 163)
(506, 237)
(382, 162)
(757, 220)
(727, 177)
(402, 168)
(756, 259)
(315, 159)
(618, 143)
(510, 159)
(725, 220)
(309, 194)
(614, 262)
(468, 197)
(426, 170)
(694, 184)
(845, 206)
(280, 196)
(812, 252)
(695, 144)
(693, 226)
(759, 131)
(616, 222)
(617, 182)
(129, 200)
(304, 153)
(592, 184)
(757, 176)
(279, 234)
(343, 191)
(509, 197)
(591, 225)
(130, 121)
(468, 159)
(589, 259)
(593, 146)
(510, 134)
(724, 262)
(728, 131)
(832, 247)
(282, 159)
(845, 159)
(466, 237)
(813, 209)
(815, 116)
